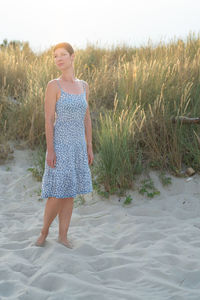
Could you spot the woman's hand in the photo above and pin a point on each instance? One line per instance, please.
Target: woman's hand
(90, 154)
(51, 159)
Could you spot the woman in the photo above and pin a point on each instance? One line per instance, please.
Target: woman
(69, 144)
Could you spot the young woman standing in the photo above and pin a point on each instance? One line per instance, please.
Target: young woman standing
(69, 144)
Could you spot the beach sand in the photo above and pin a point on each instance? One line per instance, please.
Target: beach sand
(149, 249)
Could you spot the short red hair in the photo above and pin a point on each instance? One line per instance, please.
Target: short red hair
(66, 46)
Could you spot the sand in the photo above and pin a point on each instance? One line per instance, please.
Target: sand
(146, 250)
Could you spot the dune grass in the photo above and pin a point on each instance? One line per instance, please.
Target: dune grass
(134, 93)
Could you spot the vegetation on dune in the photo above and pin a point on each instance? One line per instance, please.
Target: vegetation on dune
(134, 93)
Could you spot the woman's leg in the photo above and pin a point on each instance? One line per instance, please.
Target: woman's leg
(51, 211)
(64, 215)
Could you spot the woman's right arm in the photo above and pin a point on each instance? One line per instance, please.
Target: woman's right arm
(50, 102)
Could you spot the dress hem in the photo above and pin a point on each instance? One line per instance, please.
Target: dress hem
(68, 196)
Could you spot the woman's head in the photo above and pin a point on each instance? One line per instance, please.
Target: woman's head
(63, 55)
(66, 46)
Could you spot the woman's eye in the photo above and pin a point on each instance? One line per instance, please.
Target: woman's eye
(61, 55)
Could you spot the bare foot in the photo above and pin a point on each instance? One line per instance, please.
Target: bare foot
(65, 242)
(41, 240)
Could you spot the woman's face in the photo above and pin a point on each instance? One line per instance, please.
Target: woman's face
(62, 58)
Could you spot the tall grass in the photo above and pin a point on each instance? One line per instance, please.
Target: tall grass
(134, 92)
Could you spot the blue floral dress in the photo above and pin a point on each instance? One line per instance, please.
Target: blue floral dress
(71, 174)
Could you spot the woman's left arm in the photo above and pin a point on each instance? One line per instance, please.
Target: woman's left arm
(88, 127)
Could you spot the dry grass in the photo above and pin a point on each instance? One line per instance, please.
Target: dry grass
(133, 95)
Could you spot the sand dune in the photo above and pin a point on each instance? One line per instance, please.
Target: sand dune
(146, 250)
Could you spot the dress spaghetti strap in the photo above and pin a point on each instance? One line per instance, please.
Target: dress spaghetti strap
(83, 83)
(57, 80)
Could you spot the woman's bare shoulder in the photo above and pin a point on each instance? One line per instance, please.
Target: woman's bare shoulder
(52, 85)
(52, 82)
(85, 84)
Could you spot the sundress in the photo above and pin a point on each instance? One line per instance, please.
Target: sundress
(71, 175)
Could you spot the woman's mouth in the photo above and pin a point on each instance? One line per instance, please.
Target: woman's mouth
(60, 64)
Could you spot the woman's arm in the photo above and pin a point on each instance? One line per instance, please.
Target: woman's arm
(50, 102)
(87, 120)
